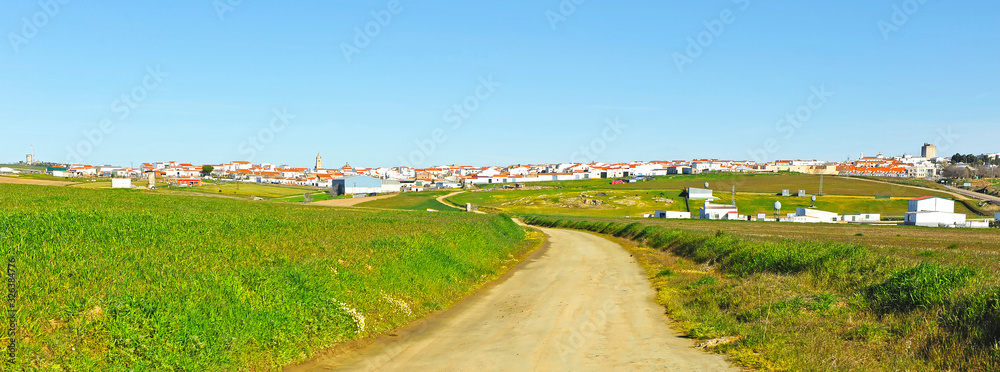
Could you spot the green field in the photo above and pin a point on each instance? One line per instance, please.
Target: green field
(18, 166)
(117, 280)
(636, 203)
(414, 201)
(244, 189)
(753, 183)
(796, 301)
(319, 196)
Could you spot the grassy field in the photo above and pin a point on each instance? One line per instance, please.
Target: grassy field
(21, 166)
(319, 196)
(414, 201)
(241, 189)
(635, 203)
(46, 177)
(753, 183)
(804, 304)
(117, 280)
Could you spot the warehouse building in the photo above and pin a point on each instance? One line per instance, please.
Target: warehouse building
(932, 211)
(356, 185)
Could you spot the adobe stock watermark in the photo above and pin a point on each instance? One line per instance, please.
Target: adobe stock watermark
(456, 116)
(31, 26)
(900, 15)
(223, 7)
(714, 29)
(562, 12)
(579, 336)
(123, 106)
(792, 122)
(259, 141)
(363, 36)
(945, 138)
(612, 130)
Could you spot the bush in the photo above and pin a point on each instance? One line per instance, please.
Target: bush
(976, 318)
(923, 286)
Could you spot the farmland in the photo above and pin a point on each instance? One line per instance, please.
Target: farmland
(130, 280)
(810, 303)
(755, 194)
(244, 189)
(769, 183)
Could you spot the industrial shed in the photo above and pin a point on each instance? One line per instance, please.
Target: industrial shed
(356, 185)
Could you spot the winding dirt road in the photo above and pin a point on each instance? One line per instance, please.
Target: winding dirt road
(582, 304)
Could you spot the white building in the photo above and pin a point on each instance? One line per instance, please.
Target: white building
(121, 183)
(672, 215)
(807, 215)
(697, 194)
(719, 212)
(861, 217)
(932, 211)
(6, 170)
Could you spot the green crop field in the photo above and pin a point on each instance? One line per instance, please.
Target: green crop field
(122, 280)
(415, 201)
(244, 189)
(811, 298)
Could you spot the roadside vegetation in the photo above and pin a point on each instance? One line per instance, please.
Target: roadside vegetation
(800, 304)
(116, 280)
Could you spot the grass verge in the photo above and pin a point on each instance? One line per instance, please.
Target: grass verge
(801, 305)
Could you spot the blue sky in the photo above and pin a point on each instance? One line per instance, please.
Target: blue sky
(205, 88)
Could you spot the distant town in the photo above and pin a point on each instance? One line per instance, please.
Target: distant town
(928, 166)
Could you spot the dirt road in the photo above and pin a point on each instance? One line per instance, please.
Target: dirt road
(350, 202)
(442, 200)
(581, 305)
(31, 181)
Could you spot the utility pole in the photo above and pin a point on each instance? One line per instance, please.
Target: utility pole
(820, 185)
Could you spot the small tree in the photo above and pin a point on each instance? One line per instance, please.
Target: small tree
(207, 170)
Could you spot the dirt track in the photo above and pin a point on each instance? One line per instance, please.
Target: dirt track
(350, 202)
(582, 304)
(30, 181)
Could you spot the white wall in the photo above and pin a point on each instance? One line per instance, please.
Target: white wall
(934, 219)
(932, 205)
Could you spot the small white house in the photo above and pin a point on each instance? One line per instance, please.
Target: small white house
(6, 170)
(815, 216)
(671, 215)
(719, 212)
(121, 183)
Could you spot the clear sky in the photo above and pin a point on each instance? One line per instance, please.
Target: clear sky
(534, 81)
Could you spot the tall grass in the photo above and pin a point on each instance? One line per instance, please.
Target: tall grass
(117, 280)
(799, 303)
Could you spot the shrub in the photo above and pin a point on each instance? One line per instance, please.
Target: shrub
(922, 286)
